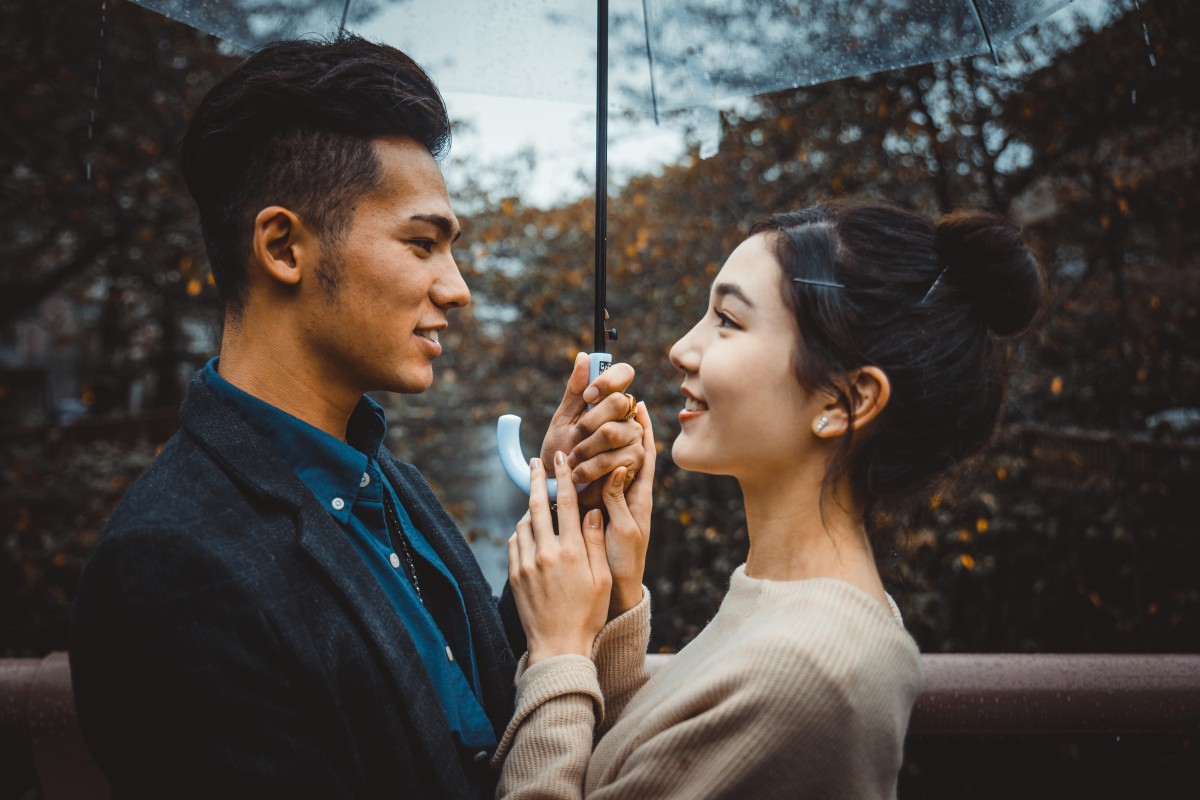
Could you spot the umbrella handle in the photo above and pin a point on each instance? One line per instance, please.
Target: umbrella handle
(508, 437)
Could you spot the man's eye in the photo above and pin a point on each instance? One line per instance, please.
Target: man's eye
(424, 244)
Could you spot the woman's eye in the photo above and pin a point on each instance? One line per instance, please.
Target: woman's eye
(724, 321)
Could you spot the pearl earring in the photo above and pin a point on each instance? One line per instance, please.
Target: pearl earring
(821, 423)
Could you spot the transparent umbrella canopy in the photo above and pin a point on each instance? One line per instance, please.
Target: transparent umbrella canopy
(664, 55)
(659, 55)
(656, 55)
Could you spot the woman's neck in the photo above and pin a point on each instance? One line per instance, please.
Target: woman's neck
(793, 538)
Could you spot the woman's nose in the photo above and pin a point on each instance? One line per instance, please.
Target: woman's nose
(685, 354)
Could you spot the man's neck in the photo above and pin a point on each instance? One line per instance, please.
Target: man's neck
(280, 373)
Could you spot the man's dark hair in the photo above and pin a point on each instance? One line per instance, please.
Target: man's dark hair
(293, 126)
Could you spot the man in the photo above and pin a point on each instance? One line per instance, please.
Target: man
(278, 608)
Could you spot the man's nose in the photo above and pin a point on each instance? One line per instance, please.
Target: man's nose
(450, 290)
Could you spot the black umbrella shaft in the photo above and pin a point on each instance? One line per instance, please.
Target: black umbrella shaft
(601, 170)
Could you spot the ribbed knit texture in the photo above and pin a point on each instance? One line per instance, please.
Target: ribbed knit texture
(795, 689)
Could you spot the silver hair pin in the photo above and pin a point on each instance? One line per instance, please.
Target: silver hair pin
(936, 282)
(812, 282)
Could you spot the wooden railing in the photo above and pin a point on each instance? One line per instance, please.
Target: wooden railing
(965, 694)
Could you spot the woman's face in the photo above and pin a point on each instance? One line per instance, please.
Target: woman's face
(745, 412)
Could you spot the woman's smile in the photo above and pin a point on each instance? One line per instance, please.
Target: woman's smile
(693, 406)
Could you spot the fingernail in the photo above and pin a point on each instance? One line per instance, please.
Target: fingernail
(535, 463)
(559, 458)
(591, 394)
(592, 519)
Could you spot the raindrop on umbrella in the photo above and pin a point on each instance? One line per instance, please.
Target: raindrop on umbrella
(96, 87)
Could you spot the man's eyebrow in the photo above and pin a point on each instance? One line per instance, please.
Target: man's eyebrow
(443, 224)
(722, 290)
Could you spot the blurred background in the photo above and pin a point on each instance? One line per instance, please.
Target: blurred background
(1077, 531)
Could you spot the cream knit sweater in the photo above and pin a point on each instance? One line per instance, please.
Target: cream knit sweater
(796, 689)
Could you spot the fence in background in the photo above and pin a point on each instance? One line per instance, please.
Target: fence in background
(965, 694)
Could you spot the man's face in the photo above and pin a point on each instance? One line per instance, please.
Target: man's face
(396, 279)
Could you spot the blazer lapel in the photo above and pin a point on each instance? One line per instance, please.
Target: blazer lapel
(494, 658)
(326, 544)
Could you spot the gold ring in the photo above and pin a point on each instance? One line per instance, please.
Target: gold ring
(632, 412)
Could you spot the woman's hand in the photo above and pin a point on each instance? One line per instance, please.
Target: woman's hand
(561, 583)
(628, 533)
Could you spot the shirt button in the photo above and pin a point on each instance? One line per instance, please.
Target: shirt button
(481, 755)
(338, 504)
(449, 653)
(395, 559)
(364, 480)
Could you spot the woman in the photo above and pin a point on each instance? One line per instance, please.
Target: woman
(849, 356)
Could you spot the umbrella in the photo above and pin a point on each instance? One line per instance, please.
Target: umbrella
(658, 56)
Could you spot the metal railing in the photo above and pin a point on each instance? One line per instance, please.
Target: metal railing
(965, 694)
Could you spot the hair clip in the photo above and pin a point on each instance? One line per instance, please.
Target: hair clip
(936, 282)
(813, 282)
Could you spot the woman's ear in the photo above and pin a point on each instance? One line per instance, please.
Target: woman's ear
(868, 391)
(283, 246)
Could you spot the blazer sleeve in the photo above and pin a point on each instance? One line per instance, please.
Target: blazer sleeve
(181, 686)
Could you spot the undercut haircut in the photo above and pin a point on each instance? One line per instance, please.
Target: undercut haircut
(294, 126)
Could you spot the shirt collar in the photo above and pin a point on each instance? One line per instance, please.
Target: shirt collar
(330, 468)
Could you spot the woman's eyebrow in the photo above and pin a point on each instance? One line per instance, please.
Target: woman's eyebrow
(722, 290)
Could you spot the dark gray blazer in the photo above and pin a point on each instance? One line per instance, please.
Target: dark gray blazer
(228, 640)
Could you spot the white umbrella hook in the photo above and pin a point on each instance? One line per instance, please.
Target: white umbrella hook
(508, 437)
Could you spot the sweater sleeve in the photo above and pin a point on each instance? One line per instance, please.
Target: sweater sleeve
(620, 656)
(792, 729)
(547, 745)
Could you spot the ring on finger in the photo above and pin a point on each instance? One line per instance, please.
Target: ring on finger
(632, 412)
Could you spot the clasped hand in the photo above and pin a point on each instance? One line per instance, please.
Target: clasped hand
(567, 585)
(599, 439)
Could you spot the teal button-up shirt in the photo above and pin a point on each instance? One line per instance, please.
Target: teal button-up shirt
(347, 480)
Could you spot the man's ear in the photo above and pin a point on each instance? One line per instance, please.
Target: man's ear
(868, 390)
(284, 247)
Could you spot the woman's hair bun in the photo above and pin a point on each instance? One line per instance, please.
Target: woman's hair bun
(990, 264)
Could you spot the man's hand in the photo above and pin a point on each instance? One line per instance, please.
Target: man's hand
(599, 440)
